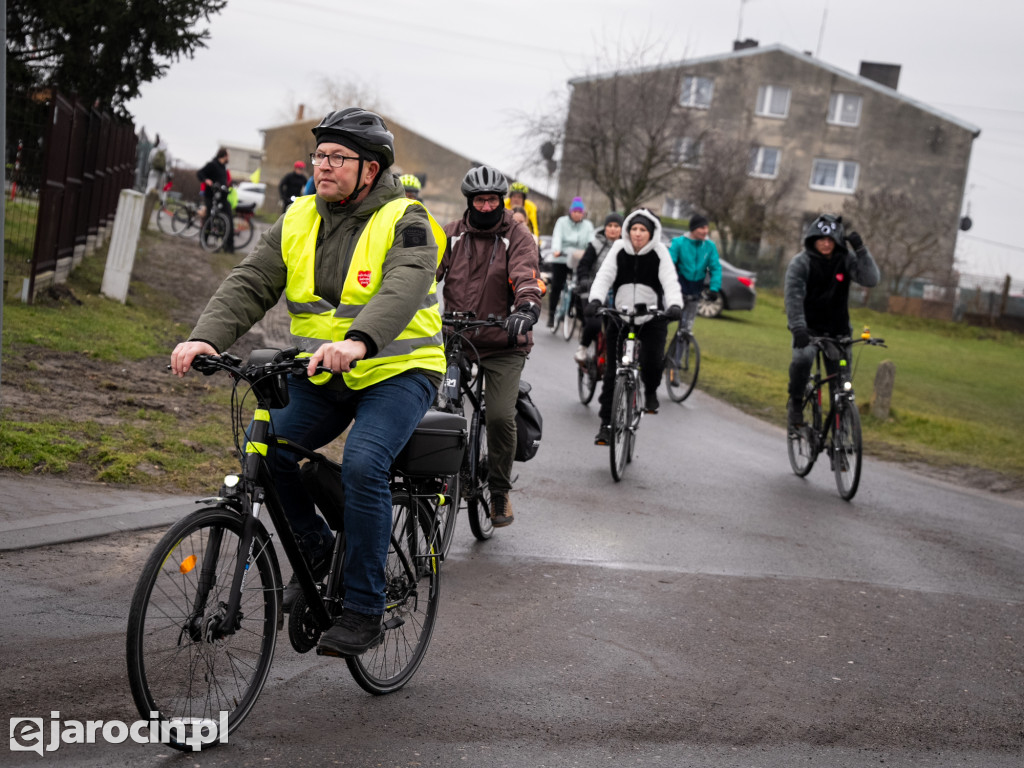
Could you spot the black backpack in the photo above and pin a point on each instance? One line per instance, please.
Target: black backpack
(529, 424)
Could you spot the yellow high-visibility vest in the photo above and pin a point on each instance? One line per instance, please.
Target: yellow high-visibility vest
(315, 321)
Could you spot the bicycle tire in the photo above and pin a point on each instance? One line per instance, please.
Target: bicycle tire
(165, 218)
(569, 321)
(846, 450)
(636, 412)
(244, 231)
(682, 364)
(621, 419)
(172, 670)
(184, 222)
(214, 232)
(477, 492)
(586, 380)
(412, 591)
(801, 441)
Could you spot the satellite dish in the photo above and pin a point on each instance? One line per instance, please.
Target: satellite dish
(965, 223)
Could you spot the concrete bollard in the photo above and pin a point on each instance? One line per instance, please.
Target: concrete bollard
(124, 241)
(881, 398)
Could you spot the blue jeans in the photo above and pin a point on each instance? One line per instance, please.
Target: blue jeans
(385, 416)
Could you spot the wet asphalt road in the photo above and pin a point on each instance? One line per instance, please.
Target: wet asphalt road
(710, 610)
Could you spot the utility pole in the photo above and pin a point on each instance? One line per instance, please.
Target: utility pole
(821, 34)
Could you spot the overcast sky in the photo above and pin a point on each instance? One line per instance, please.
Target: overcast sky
(460, 71)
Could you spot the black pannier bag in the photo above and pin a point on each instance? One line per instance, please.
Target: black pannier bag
(529, 424)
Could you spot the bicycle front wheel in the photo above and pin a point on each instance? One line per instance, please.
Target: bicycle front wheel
(621, 422)
(569, 321)
(586, 380)
(801, 442)
(478, 493)
(182, 663)
(214, 232)
(682, 363)
(412, 590)
(185, 222)
(165, 218)
(846, 450)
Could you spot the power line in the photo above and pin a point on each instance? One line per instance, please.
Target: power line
(994, 242)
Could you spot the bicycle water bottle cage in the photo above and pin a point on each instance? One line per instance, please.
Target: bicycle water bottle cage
(272, 390)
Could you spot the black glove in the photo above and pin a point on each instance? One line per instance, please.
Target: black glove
(675, 312)
(712, 295)
(856, 241)
(801, 338)
(521, 321)
(591, 309)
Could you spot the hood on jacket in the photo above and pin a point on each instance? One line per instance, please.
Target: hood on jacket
(655, 236)
(826, 225)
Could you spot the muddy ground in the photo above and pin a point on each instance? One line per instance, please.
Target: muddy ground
(37, 381)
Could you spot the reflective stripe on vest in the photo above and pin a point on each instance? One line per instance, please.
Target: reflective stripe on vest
(315, 321)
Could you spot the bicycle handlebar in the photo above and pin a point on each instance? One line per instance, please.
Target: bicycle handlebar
(844, 341)
(256, 369)
(464, 321)
(629, 314)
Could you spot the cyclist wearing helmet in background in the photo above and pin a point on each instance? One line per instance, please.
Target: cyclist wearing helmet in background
(491, 268)
(817, 296)
(356, 263)
(412, 185)
(517, 199)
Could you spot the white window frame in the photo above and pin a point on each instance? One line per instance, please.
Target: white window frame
(842, 168)
(837, 102)
(765, 97)
(692, 90)
(757, 158)
(687, 152)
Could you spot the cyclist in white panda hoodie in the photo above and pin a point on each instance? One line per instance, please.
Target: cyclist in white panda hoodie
(638, 270)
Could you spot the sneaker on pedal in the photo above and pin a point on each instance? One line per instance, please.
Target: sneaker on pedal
(353, 633)
(604, 435)
(501, 510)
(581, 354)
(651, 403)
(795, 416)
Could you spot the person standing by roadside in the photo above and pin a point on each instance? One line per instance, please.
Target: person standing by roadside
(159, 166)
(292, 184)
(212, 175)
(695, 256)
(568, 240)
(817, 296)
(491, 268)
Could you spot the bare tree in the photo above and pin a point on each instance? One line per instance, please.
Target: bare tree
(331, 95)
(904, 236)
(619, 130)
(743, 208)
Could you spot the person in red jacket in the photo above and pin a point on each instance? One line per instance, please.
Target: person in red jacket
(490, 267)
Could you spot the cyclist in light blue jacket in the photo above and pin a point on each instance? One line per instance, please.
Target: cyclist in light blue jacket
(695, 256)
(572, 233)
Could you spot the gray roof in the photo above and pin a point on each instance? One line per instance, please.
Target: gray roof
(780, 48)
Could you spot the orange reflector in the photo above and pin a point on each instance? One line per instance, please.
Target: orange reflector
(187, 564)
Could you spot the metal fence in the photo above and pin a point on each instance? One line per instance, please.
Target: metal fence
(67, 164)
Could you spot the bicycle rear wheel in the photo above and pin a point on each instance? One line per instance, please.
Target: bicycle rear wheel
(682, 364)
(621, 421)
(801, 441)
(180, 664)
(586, 380)
(476, 490)
(244, 231)
(846, 450)
(214, 232)
(412, 590)
(185, 222)
(165, 217)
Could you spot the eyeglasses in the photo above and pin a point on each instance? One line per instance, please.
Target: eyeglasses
(486, 202)
(336, 160)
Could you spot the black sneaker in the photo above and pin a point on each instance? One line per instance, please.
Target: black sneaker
(293, 589)
(651, 403)
(501, 510)
(604, 435)
(795, 415)
(352, 634)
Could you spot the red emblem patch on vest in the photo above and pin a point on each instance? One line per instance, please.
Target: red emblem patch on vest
(839, 277)
(363, 277)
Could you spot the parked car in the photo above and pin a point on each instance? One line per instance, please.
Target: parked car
(252, 192)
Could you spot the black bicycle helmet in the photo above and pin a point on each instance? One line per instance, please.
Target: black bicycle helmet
(484, 180)
(366, 130)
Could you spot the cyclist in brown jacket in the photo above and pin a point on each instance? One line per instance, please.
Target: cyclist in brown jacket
(490, 267)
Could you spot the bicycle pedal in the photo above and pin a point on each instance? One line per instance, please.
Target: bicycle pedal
(393, 623)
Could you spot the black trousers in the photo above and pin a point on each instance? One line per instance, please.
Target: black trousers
(652, 336)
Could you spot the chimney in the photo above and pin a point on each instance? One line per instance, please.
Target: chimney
(302, 111)
(886, 74)
(739, 45)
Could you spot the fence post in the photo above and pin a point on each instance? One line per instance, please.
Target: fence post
(123, 242)
(881, 398)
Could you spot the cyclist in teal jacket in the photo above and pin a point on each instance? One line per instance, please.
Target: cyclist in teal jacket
(695, 256)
